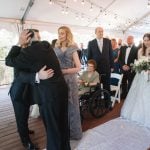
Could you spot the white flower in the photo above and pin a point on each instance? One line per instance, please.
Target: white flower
(136, 62)
(142, 64)
(141, 60)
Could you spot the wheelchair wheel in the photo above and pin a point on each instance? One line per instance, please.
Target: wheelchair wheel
(84, 105)
(98, 103)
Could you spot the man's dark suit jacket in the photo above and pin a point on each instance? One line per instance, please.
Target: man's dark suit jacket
(104, 60)
(32, 59)
(23, 86)
(132, 56)
(53, 92)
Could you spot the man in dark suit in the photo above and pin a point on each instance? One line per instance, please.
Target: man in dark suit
(53, 92)
(22, 96)
(100, 50)
(127, 56)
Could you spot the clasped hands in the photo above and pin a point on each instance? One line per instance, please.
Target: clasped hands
(125, 67)
(85, 83)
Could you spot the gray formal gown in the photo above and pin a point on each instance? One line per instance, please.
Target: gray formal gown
(66, 61)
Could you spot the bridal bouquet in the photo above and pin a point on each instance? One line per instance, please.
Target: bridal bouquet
(142, 64)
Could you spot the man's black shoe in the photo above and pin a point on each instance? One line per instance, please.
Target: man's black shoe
(31, 131)
(30, 146)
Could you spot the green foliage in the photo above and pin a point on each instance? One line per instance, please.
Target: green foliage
(2, 70)
(139, 66)
(3, 52)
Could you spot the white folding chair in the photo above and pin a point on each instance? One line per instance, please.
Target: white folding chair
(116, 88)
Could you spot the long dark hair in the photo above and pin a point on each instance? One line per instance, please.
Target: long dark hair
(144, 47)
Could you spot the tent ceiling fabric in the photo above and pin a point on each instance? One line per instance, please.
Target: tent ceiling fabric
(115, 15)
(13, 9)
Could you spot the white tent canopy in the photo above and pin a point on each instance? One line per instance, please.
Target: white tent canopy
(117, 17)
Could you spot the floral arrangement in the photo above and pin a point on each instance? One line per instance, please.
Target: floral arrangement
(142, 64)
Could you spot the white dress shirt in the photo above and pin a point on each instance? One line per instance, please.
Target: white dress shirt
(37, 80)
(100, 44)
(127, 54)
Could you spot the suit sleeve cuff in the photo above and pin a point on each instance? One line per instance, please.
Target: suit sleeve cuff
(37, 80)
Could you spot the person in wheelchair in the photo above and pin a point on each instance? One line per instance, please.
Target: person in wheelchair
(92, 96)
(89, 78)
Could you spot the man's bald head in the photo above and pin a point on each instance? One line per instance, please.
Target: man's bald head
(130, 40)
(99, 32)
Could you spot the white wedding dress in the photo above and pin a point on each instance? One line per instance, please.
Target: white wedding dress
(137, 104)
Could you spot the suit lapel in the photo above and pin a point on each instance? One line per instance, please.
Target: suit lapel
(123, 51)
(104, 44)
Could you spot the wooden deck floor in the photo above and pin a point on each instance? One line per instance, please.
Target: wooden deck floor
(9, 139)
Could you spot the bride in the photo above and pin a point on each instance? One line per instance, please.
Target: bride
(137, 104)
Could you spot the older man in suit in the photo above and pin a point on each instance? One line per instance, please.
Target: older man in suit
(53, 92)
(100, 50)
(22, 95)
(127, 56)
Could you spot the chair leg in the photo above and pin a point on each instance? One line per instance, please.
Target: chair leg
(113, 101)
(119, 96)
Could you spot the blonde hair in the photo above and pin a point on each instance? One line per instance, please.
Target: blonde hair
(69, 37)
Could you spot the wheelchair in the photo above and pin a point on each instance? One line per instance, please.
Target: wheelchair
(94, 101)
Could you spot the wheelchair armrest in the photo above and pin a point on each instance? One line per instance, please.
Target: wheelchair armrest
(94, 87)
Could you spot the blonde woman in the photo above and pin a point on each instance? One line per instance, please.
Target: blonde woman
(66, 51)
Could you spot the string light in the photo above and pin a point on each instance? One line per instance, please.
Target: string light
(83, 2)
(148, 4)
(103, 12)
(62, 11)
(66, 12)
(91, 8)
(50, 2)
